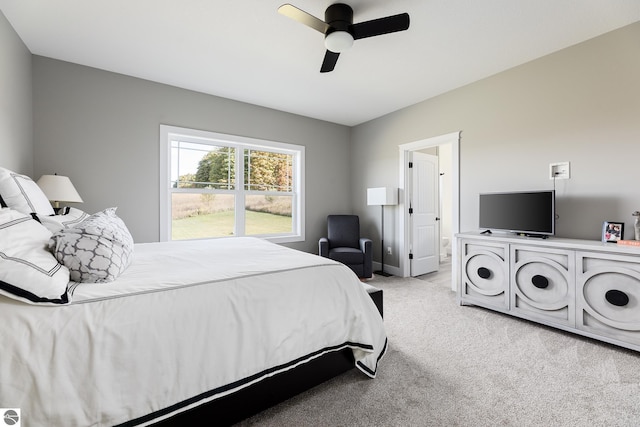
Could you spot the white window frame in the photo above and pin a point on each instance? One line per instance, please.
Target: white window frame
(168, 133)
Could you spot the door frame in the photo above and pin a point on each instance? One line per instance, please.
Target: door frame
(403, 199)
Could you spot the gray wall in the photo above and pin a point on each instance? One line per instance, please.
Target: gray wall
(102, 130)
(581, 104)
(16, 116)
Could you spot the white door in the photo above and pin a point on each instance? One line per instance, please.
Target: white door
(424, 203)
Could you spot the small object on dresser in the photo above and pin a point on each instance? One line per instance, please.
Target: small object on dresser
(629, 242)
(636, 224)
(612, 231)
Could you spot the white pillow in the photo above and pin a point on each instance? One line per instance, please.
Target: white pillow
(21, 193)
(97, 250)
(28, 271)
(69, 218)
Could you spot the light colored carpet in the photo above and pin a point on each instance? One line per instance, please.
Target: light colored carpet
(449, 365)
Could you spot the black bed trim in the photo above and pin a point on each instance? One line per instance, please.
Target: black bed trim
(243, 382)
(364, 368)
(22, 293)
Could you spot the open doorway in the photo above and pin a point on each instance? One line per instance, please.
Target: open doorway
(452, 141)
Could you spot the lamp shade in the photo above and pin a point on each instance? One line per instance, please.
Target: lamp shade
(59, 188)
(382, 196)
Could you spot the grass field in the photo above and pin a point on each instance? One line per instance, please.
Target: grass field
(220, 224)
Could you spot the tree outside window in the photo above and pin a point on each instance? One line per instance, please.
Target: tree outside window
(207, 198)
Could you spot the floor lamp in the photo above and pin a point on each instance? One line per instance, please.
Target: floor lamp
(382, 196)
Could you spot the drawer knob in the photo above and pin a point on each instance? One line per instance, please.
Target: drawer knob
(539, 281)
(484, 272)
(617, 297)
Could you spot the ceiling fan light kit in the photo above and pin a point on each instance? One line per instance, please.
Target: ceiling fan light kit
(338, 41)
(339, 29)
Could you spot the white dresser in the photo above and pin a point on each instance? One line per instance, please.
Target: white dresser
(582, 286)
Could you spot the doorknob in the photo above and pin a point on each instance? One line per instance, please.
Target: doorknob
(437, 218)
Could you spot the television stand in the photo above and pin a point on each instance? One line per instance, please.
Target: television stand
(486, 232)
(586, 287)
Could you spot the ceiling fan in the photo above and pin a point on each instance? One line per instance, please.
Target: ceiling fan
(340, 31)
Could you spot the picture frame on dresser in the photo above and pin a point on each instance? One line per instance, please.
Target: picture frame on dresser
(612, 231)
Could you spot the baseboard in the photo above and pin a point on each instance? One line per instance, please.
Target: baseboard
(389, 269)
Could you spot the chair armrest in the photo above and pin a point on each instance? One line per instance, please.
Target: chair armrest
(366, 245)
(323, 247)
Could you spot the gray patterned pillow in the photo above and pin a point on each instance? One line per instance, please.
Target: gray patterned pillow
(97, 250)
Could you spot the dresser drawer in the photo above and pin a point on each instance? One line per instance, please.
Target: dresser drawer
(608, 295)
(542, 286)
(485, 274)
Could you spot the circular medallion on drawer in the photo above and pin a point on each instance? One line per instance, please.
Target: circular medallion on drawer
(614, 298)
(542, 282)
(617, 298)
(486, 273)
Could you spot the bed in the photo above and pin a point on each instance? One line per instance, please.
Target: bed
(220, 327)
(100, 331)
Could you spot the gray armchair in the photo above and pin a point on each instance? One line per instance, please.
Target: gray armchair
(344, 244)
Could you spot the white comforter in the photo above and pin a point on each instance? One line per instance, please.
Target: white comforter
(186, 319)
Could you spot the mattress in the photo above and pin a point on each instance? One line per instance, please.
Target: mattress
(186, 323)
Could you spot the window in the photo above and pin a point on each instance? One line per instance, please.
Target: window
(215, 185)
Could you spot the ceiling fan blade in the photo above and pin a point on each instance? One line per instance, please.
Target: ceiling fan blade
(303, 17)
(380, 26)
(329, 62)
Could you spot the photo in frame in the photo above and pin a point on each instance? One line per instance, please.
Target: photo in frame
(612, 231)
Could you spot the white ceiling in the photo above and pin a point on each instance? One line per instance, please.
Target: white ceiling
(245, 50)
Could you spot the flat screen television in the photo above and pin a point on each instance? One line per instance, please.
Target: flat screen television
(531, 213)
